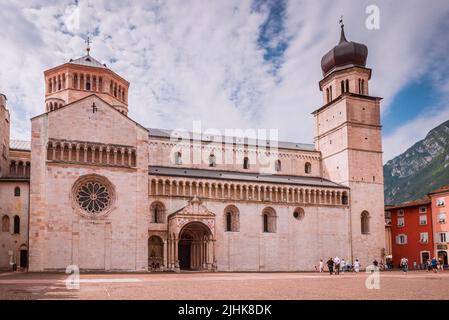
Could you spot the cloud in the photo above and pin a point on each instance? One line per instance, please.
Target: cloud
(231, 64)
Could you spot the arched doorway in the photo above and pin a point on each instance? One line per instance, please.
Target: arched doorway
(155, 253)
(443, 256)
(194, 247)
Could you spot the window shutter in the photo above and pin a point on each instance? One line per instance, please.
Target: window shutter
(405, 239)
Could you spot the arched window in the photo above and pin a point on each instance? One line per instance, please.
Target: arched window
(88, 83)
(342, 86)
(178, 158)
(228, 221)
(344, 198)
(308, 168)
(157, 212)
(246, 163)
(17, 192)
(232, 223)
(100, 84)
(330, 93)
(327, 94)
(364, 219)
(16, 225)
(347, 85)
(269, 220)
(75, 81)
(278, 166)
(363, 87)
(265, 222)
(5, 223)
(212, 160)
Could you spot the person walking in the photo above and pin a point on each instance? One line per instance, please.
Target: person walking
(343, 265)
(330, 265)
(428, 265)
(321, 265)
(337, 262)
(357, 265)
(434, 264)
(404, 264)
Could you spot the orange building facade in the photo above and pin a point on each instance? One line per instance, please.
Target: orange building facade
(418, 230)
(411, 232)
(440, 203)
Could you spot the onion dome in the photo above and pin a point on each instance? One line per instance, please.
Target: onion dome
(345, 54)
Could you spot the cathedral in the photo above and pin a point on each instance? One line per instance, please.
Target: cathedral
(95, 189)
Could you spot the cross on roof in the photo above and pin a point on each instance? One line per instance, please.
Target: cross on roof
(88, 42)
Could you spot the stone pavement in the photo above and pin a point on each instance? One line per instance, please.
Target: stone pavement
(200, 286)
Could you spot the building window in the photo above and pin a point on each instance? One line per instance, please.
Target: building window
(422, 219)
(245, 163)
(330, 93)
(424, 237)
(442, 237)
(401, 222)
(16, 225)
(178, 158)
(344, 198)
(401, 239)
(387, 215)
(347, 85)
(364, 219)
(157, 212)
(16, 192)
(269, 220)
(278, 166)
(299, 214)
(5, 223)
(400, 213)
(422, 209)
(232, 219)
(308, 168)
(442, 217)
(212, 161)
(94, 197)
(440, 202)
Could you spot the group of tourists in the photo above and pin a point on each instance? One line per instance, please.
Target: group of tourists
(430, 265)
(337, 265)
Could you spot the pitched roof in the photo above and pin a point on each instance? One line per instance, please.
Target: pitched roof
(167, 133)
(440, 190)
(20, 145)
(88, 60)
(242, 176)
(419, 202)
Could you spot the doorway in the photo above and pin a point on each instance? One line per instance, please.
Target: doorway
(195, 240)
(23, 259)
(443, 256)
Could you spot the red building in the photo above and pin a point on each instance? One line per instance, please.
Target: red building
(411, 228)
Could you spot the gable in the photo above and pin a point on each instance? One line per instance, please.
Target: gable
(92, 119)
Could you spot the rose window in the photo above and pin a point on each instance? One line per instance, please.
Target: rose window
(93, 197)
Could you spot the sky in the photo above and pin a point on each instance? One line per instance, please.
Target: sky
(233, 63)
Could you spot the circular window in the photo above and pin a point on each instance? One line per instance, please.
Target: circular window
(93, 195)
(299, 213)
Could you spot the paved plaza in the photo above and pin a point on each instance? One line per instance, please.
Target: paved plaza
(200, 286)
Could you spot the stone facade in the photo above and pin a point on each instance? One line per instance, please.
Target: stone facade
(108, 194)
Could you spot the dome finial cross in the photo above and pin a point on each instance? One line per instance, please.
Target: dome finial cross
(88, 42)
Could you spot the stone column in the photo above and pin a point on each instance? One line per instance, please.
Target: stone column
(176, 254)
(165, 258)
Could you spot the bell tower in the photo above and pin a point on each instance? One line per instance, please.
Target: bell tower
(82, 77)
(4, 137)
(348, 135)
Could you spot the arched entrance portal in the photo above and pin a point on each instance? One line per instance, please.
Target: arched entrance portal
(195, 247)
(155, 253)
(442, 255)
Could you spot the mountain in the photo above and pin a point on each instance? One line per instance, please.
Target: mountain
(419, 170)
